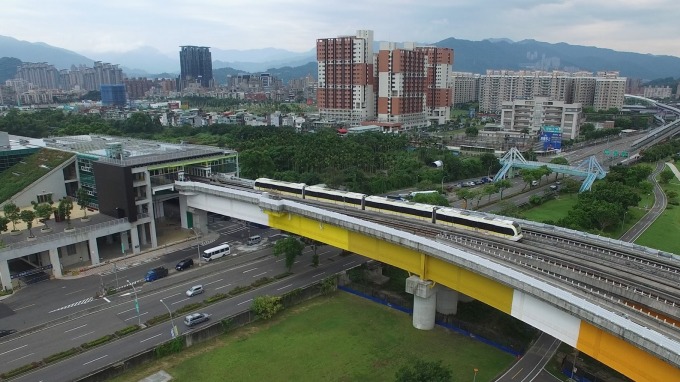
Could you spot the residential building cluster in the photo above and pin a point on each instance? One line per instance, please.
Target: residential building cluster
(532, 115)
(45, 76)
(601, 91)
(657, 92)
(399, 88)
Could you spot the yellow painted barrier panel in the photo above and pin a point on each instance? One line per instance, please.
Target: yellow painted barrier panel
(618, 354)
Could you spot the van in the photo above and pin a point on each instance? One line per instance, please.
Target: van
(534, 183)
(217, 252)
(255, 239)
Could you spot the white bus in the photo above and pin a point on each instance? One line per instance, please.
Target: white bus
(216, 252)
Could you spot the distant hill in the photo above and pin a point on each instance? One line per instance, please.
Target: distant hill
(478, 56)
(288, 73)
(41, 52)
(8, 68)
(220, 75)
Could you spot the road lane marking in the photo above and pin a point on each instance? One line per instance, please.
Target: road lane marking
(81, 302)
(249, 270)
(212, 282)
(107, 300)
(159, 334)
(520, 370)
(248, 300)
(223, 286)
(27, 355)
(260, 274)
(278, 261)
(125, 311)
(96, 359)
(75, 291)
(81, 326)
(23, 307)
(284, 287)
(141, 314)
(318, 274)
(82, 335)
(177, 302)
(9, 351)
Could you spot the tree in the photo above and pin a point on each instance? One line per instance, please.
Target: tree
(434, 198)
(43, 211)
(266, 306)
(489, 190)
(666, 176)
(471, 132)
(291, 248)
(64, 208)
(27, 216)
(503, 185)
(561, 161)
(3, 224)
(424, 371)
(83, 200)
(12, 213)
(465, 195)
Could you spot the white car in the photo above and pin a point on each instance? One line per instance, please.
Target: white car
(194, 290)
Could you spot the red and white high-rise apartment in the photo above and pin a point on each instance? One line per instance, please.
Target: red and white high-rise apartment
(398, 88)
(345, 87)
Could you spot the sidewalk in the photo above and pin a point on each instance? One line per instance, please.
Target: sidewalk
(674, 169)
(143, 257)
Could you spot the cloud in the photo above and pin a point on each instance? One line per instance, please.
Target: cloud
(631, 25)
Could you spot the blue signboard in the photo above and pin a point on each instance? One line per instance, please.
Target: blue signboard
(551, 136)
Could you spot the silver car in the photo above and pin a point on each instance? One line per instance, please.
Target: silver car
(196, 318)
(194, 290)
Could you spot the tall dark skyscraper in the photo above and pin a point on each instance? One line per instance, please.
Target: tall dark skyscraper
(196, 66)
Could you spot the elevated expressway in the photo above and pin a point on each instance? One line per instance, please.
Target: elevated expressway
(661, 133)
(638, 349)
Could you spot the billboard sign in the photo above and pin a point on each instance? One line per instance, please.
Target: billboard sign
(551, 137)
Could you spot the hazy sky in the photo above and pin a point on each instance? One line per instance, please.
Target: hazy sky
(645, 26)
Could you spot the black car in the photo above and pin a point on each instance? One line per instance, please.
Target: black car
(7, 332)
(184, 264)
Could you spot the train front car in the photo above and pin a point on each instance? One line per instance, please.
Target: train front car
(401, 208)
(279, 187)
(328, 195)
(484, 224)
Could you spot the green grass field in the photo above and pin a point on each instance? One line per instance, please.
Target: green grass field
(554, 210)
(342, 338)
(663, 233)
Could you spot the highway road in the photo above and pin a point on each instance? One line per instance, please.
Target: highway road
(96, 358)
(118, 311)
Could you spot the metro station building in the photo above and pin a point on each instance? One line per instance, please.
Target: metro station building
(131, 187)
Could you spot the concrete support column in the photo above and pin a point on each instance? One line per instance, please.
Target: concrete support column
(152, 233)
(142, 233)
(56, 264)
(4, 275)
(183, 211)
(447, 300)
(135, 240)
(200, 221)
(124, 241)
(94, 250)
(424, 302)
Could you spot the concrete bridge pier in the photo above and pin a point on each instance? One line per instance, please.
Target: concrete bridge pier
(424, 302)
(447, 300)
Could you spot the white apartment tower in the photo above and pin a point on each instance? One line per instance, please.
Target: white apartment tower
(541, 111)
(346, 76)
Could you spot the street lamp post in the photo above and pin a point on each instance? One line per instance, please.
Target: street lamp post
(624, 219)
(443, 177)
(139, 318)
(198, 247)
(173, 330)
(474, 377)
(488, 172)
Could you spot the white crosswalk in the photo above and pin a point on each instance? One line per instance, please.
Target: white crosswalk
(81, 302)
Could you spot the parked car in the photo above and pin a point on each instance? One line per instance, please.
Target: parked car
(156, 273)
(196, 318)
(194, 290)
(7, 332)
(184, 264)
(553, 187)
(534, 183)
(471, 184)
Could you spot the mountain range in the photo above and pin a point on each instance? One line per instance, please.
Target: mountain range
(469, 56)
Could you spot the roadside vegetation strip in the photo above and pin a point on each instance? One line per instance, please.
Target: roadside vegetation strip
(21, 370)
(375, 340)
(98, 341)
(61, 355)
(128, 330)
(662, 234)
